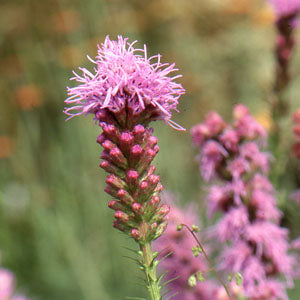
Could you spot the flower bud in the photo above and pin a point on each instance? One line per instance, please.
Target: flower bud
(120, 215)
(138, 132)
(118, 157)
(132, 177)
(135, 234)
(115, 182)
(100, 138)
(115, 205)
(125, 197)
(136, 207)
(108, 145)
(126, 140)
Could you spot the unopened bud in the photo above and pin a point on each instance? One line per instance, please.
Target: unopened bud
(115, 181)
(195, 228)
(100, 138)
(136, 207)
(126, 139)
(132, 177)
(118, 156)
(120, 215)
(164, 210)
(108, 145)
(125, 197)
(136, 150)
(115, 205)
(179, 227)
(154, 200)
(135, 234)
(138, 132)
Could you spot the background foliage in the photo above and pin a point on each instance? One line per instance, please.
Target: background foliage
(55, 229)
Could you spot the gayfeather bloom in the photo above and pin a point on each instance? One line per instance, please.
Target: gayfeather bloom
(255, 245)
(181, 263)
(125, 93)
(126, 84)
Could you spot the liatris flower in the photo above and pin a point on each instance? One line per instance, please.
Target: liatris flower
(179, 261)
(125, 94)
(126, 88)
(255, 244)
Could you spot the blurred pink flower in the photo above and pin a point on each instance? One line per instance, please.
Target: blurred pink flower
(7, 284)
(181, 262)
(285, 7)
(255, 244)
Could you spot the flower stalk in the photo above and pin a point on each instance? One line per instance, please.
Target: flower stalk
(287, 12)
(149, 267)
(210, 263)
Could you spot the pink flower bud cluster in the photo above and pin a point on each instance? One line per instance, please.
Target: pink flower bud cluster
(7, 286)
(255, 245)
(135, 189)
(180, 261)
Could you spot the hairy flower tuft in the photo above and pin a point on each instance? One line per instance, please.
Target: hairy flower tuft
(126, 85)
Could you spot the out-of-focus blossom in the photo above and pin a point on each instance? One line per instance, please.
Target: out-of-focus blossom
(255, 244)
(285, 7)
(181, 262)
(28, 97)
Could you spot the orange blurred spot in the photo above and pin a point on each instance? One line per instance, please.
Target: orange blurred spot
(239, 7)
(66, 21)
(264, 16)
(28, 97)
(6, 146)
(264, 119)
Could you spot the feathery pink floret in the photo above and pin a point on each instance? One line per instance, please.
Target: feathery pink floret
(181, 262)
(126, 79)
(285, 7)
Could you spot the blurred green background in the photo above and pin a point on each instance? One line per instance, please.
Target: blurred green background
(55, 228)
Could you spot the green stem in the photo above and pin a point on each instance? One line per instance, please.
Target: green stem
(211, 266)
(149, 267)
